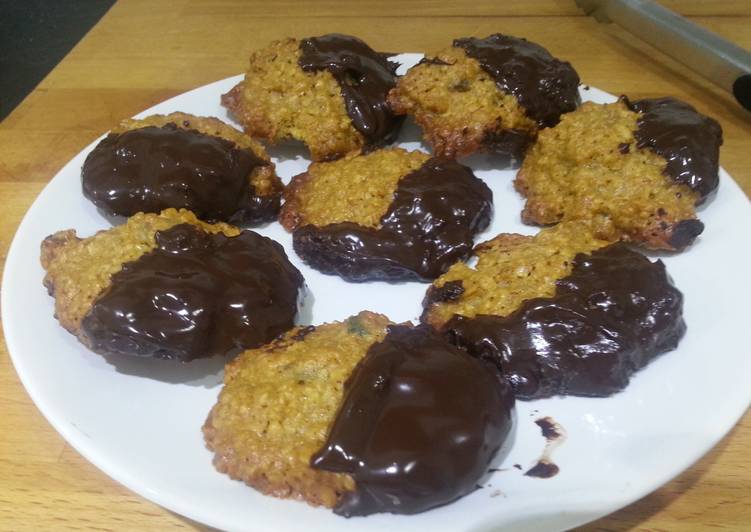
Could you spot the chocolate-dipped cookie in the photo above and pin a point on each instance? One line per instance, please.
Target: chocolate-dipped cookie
(328, 92)
(361, 416)
(388, 215)
(170, 286)
(182, 161)
(641, 167)
(559, 313)
(490, 94)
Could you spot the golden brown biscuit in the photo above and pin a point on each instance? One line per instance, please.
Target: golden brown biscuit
(609, 316)
(278, 403)
(328, 92)
(357, 189)
(360, 416)
(79, 269)
(492, 93)
(387, 215)
(208, 125)
(171, 286)
(560, 313)
(612, 164)
(182, 161)
(510, 269)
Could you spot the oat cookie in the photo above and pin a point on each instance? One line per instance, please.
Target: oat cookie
(171, 286)
(182, 161)
(641, 167)
(388, 215)
(328, 92)
(486, 94)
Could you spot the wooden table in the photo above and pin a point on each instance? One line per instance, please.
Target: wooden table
(145, 51)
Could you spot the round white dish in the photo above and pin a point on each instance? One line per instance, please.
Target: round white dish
(144, 431)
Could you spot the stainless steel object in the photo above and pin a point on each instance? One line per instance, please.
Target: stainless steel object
(718, 60)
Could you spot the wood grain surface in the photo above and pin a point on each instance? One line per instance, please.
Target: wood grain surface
(144, 51)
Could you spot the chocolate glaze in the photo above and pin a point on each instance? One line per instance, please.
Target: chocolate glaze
(548, 427)
(543, 85)
(612, 315)
(554, 435)
(196, 295)
(543, 469)
(450, 291)
(300, 335)
(432, 61)
(153, 168)
(364, 76)
(430, 224)
(687, 139)
(511, 143)
(685, 232)
(418, 426)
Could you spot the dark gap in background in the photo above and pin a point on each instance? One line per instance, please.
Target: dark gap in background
(34, 36)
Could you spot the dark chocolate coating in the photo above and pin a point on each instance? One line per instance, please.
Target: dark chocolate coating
(449, 291)
(688, 140)
(432, 61)
(611, 316)
(685, 232)
(543, 85)
(548, 428)
(364, 76)
(430, 224)
(542, 469)
(418, 426)
(154, 168)
(510, 143)
(196, 295)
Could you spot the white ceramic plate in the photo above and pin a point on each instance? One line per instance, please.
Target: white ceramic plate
(145, 431)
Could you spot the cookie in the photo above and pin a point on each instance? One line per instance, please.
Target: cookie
(328, 92)
(560, 313)
(486, 94)
(170, 286)
(510, 269)
(388, 215)
(182, 161)
(361, 416)
(639, 166)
